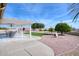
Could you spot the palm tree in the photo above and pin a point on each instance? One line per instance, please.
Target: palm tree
(74, 11)
(2, 8)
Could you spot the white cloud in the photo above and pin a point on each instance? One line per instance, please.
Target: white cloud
(67, 21)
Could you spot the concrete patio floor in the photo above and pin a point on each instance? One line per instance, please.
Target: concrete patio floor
(25, 48)
(62, 44)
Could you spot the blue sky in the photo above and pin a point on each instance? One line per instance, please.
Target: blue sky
(48, 13)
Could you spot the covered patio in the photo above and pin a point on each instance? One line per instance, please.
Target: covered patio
(15, 26)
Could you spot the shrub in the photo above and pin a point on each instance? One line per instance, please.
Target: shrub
(50, 29)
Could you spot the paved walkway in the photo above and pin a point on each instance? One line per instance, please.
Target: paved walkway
(24, 48)
(62, 44)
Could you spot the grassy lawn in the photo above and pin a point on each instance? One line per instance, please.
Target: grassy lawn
(36, 34)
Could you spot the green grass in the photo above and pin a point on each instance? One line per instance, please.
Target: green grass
(3, 28)
(36, 34)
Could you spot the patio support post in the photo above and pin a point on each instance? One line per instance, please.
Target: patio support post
(22, 32)
(30, 32)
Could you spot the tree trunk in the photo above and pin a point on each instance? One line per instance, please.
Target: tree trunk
(2, 7)
(62, 33)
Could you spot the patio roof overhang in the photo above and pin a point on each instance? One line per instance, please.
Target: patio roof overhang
(15, 22)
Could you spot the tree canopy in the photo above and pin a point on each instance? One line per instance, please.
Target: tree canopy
(37, 26)
(62, 27)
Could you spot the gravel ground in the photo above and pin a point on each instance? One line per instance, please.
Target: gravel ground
(62, 44)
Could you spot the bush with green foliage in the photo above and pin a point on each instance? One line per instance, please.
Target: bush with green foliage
(63, 27)
(50, 29)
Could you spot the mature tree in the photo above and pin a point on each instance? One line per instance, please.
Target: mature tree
(41, 25)
(62, 27)
(34, 25)
(50, 29)
(37, 26)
